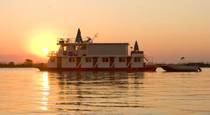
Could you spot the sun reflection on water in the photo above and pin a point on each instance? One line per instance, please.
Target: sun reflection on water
(45, 92)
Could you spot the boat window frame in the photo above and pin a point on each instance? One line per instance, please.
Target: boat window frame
(122, 59)
(137, 59)
(88, 59)
(71, 59)
(52, 59)
(105, 59)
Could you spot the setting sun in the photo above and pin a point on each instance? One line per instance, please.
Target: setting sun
(45, 51)
(42, 43)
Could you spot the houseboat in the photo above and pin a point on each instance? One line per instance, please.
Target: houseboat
(85, 55)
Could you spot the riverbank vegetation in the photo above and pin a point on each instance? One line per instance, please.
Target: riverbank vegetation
(28, 63)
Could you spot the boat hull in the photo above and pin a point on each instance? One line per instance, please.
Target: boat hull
(181, 68)
(143, 69)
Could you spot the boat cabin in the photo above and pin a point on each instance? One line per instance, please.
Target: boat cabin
(88, 55)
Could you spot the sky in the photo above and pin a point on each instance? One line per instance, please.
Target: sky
(165, 29)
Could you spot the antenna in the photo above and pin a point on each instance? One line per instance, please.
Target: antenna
(95, 36)
(90, 39)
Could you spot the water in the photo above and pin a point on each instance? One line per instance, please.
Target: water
(31, 92)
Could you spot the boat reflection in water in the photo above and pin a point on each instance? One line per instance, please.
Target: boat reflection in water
(89, 92)
(107, 93)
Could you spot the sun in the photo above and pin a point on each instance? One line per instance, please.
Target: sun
(45, 51)
(41, 43)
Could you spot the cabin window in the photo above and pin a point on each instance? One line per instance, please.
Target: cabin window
(88, 59)
(83, 47)
(64, 50)
(105, 60)
(76, 48)
(137, 59)
(52, 59)
(71, 60)
(121, 59)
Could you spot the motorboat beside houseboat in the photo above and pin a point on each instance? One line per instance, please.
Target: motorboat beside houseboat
(181, 68)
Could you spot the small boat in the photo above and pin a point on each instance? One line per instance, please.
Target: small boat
(180, 68)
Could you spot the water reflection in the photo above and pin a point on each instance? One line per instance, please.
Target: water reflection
(45, 92)
(96, 91)
(29, 91)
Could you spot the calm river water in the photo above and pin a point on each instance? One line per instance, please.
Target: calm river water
(31, 92)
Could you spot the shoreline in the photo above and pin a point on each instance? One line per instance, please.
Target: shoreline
(38, 65)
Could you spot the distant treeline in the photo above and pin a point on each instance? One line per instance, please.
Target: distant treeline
(28, 63)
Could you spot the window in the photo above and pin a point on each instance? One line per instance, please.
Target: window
(71, 59)
(121, 59)
(88, 59)
(105, 60)
(137, 59)
(83, 47)
(64, 50)
(52, 59)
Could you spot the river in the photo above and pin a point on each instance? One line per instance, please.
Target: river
(28, 91)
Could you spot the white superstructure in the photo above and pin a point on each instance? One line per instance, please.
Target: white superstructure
(86, 55)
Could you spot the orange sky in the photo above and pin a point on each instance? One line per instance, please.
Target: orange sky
(165, 29)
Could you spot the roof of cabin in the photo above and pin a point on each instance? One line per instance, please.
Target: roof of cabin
(103, 43)
(108, 44)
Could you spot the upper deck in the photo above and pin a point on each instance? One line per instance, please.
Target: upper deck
(86, 47)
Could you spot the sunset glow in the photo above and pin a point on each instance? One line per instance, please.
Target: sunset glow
(42, 43)
(45, 51)
(165, 29)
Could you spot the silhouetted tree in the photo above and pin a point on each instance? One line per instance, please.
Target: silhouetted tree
(28, 62)
(11, 64)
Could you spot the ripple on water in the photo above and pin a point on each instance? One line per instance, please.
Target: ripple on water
(28, 91)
